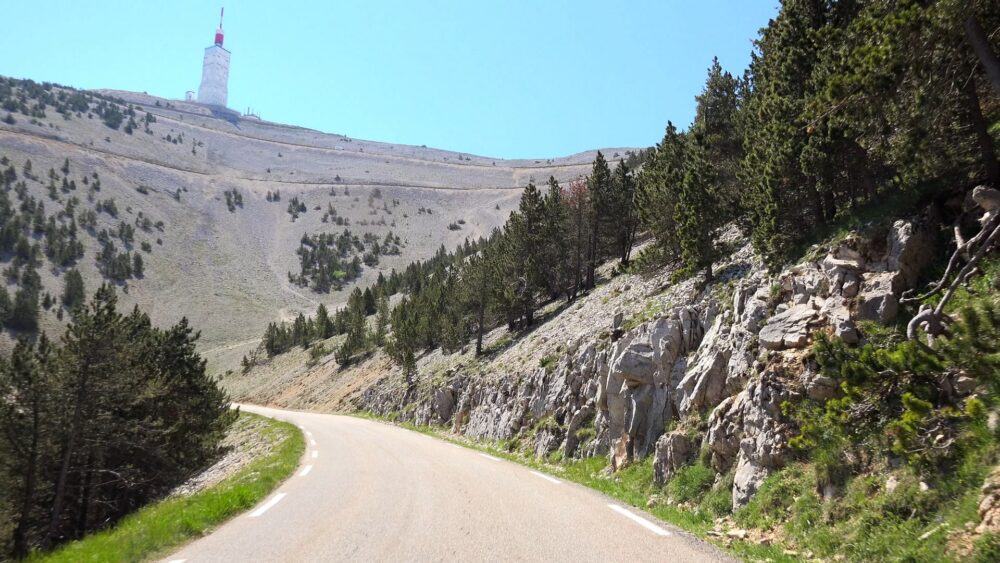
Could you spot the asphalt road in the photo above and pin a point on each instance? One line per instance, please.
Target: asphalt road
(368, 491)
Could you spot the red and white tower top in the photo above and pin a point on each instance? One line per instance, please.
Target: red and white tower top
(218, 32)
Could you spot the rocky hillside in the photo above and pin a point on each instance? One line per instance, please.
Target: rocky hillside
(210, 195)
(731, 353)
(646, 368)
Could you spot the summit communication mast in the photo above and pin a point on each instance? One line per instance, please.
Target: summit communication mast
(214, 89)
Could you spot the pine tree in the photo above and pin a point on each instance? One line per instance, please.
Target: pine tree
(623, 221)
(556, 250)
(6, 306)
(779, 194)
(659, 183)
(322, 325)
(718, 123)
(356, 333)
(382, 321)
(598, 187)
(74, 293)
(696, 213)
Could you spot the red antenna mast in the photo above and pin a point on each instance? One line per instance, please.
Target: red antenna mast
(218, 33)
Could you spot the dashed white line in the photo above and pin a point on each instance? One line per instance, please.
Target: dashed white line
(308, 433)
(267, 505)
(546, 477)
(306, 471)
(312, 442)
(639, 520)
(488, 456)
(178, 560)
(302, 427)
(315, 454)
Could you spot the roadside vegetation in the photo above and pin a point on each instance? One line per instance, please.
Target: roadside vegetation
(168, 524)
(109, 418)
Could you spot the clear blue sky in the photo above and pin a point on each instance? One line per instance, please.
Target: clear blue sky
(498, 78)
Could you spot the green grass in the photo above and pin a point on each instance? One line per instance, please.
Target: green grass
(166, 525)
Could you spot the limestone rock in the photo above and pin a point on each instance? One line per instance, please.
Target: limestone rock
(673, 451)
(910, 251)
(444, 402)
(789, 329)
(763, 447)
(987, 198)
(877, 299)
(989, 504)
(705, 379)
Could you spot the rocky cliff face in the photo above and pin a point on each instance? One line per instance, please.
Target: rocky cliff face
(707, 377)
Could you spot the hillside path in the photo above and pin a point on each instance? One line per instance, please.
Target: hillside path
(368, 491)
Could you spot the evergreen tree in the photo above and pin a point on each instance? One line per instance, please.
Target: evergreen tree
(659, 183)
(74, 293)
(382, 321)
(6, 306)
(718, 123)
(621, 209)
(598, 187)
(779, 194)
(556, 236)
(356, 334)
(322, 325)
(696, 213)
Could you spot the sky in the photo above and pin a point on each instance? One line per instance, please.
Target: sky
(506, 79)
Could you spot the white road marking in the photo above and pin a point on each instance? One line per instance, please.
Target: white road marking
(488, 456)
(302, 427)
(312, 442)
(308, 433)
(267, 505)
(455, 446)
(306, 471)
(315, 454)
(546, 477)
(639, 520)
(178, 560)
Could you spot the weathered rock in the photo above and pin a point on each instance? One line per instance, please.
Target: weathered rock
(851, 285)
(987, 198)
(576, 423)
(989, 504)
(818, 386)
(877, 300)
(789, 329)
(763, 447)
(673, 451)
(706, 375)
(724, 432)
(838, 316)
(444, 402)
(910, 251)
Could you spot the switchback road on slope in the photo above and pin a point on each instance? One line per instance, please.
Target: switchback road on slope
(368, 491)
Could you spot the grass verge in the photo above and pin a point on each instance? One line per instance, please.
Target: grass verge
(166, 525)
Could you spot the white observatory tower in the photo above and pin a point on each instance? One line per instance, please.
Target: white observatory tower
(214, 87)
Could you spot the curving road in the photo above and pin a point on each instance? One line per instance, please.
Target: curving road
(373, 492)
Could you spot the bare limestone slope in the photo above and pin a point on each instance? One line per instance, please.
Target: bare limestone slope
(689, 369)
(228, 271)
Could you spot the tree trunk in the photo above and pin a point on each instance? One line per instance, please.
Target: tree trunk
(21, 532)
(981, 45)
(592, 253)
(978, 122)
(69, 449)
(480, 319)
(85, 491)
